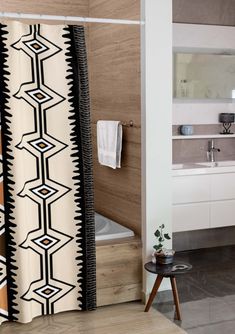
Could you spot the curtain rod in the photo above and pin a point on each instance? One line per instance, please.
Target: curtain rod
(67, 18)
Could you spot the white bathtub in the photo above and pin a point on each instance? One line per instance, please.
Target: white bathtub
(107, 229)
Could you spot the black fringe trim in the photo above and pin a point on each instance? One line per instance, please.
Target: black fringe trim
(8, 183)
(78, 161)
(86, 137)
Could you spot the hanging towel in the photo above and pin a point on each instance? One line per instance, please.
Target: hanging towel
(109, 143)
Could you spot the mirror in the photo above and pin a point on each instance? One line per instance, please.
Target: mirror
(204, 76)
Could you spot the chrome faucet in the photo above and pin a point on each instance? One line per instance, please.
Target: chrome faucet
(211, 151)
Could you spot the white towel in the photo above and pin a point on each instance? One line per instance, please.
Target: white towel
(109, 143)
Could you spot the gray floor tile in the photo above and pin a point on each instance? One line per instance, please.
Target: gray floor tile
(207, 293)
(227, 327)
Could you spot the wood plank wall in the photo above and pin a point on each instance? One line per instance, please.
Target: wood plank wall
(50, 7)
(218, 12)
(115, 9)
(114, 66)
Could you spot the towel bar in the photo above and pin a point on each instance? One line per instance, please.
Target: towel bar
(129, 125)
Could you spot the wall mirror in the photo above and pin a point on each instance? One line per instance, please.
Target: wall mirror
(203, 76)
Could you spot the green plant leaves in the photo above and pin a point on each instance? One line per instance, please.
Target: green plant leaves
(158, 247)
(166, 236)
(157, 233)
(161, 237)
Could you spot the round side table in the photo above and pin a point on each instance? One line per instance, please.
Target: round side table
(170, 270)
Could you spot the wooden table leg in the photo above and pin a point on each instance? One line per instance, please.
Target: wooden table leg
(176, 297)
(154, 292)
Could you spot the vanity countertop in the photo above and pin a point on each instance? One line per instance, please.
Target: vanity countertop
(203, 168)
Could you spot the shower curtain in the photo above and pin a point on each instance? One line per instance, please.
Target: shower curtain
(47, 239)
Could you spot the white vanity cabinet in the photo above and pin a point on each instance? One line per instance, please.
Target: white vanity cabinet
(222, 213)
(202, 201)
(222, 186)
(190, 189)
(223, 200)
(189, 217)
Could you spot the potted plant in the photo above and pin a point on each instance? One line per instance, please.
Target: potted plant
(161, 254)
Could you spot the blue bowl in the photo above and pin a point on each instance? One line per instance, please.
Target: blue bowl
(186, 130)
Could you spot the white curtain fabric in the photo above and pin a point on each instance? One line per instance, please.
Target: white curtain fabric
(43, 173)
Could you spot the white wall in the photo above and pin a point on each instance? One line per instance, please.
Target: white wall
(199, 112)
(156, 124)
(202, 38)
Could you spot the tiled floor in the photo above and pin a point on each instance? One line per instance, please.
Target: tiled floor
(207, 293)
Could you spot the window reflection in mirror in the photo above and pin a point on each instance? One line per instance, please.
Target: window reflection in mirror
(204, 76)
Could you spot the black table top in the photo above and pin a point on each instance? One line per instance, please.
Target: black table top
(176, 268)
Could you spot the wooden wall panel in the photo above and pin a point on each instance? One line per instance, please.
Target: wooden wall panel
(114, 66)
(218, 12)
(115, 72)
(119, 270)
(50, 7)
(124, 9)
(118, 9)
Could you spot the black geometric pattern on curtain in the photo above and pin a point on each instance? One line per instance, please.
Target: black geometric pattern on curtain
(47, 171)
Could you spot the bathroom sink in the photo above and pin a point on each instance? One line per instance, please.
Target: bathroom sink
(203, 165)
(216, 164)
(188, 166)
